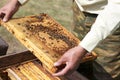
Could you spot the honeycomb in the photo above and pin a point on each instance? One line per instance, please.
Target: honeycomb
(44, 37)
(50, 33)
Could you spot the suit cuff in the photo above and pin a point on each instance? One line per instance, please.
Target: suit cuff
(22, 2)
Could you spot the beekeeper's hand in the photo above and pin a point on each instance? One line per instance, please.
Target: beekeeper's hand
(8, 10)
(71, 59)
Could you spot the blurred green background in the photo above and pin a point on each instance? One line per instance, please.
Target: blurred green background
(60, 10)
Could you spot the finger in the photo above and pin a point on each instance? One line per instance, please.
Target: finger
(7, 17)
(63, 71)
(0, 14)
(59, 62)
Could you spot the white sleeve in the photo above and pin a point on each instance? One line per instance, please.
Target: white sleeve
(22, 1)
(106, 23)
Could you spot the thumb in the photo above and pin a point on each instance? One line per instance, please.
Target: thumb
(61, 61)
(6, 17)
(58, 63)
